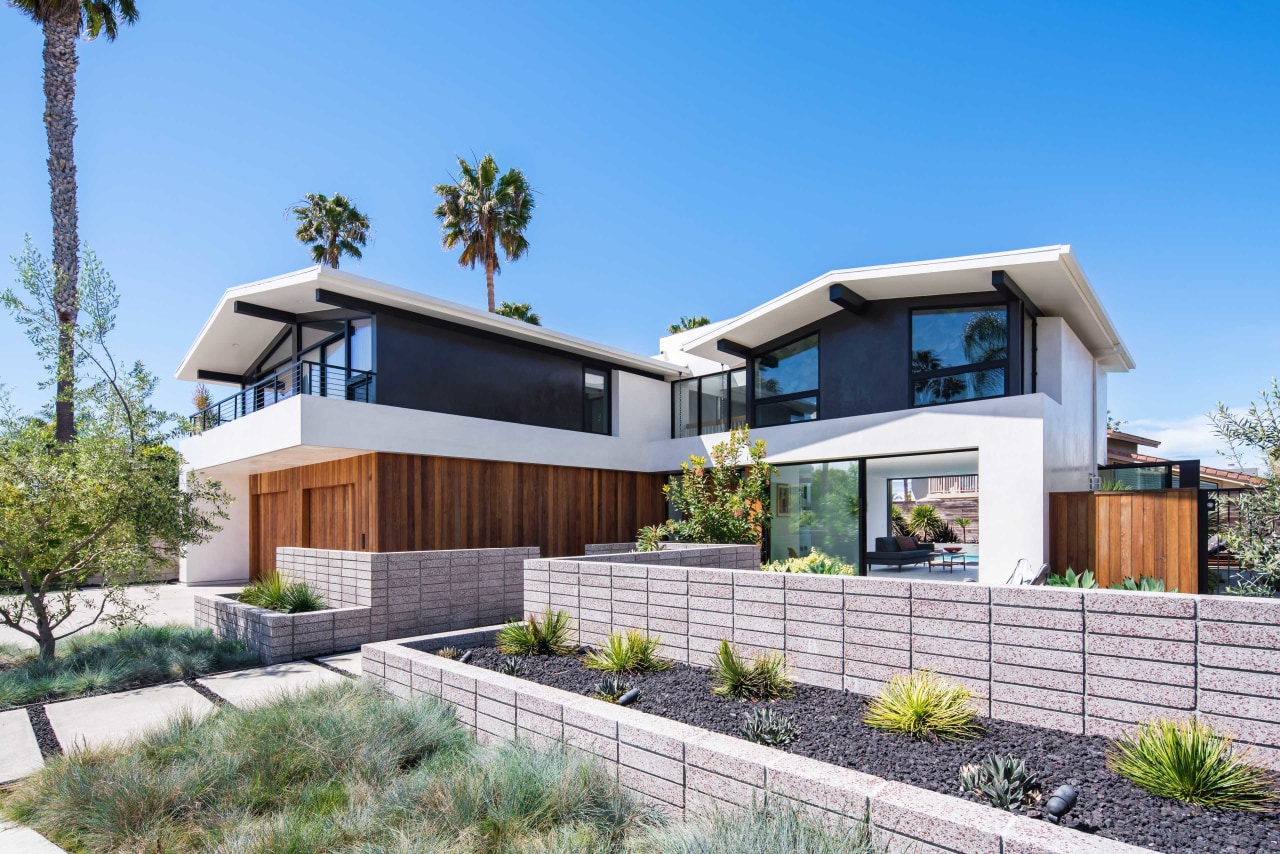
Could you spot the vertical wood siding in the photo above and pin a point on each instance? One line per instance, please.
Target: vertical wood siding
(403, 502)
(1127, 534)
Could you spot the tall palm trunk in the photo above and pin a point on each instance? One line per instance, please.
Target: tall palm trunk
(488, 277)
(60, 127)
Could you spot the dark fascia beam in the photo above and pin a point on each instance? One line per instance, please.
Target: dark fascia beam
(1004, 283)
(365, 306)
(733, 348)
(219, 377)
(847, 299)
(254, 310)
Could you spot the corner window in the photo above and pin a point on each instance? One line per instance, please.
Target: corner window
(714, 403)
(786, 383)
(959, 354)
(596, 401)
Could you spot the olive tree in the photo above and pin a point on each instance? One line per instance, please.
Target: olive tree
(1254, 535)
(109, 507)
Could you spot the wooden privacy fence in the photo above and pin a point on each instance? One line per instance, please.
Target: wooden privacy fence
(1128, 534)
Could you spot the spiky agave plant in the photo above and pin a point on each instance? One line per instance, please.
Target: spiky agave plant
(765, 726)
(1003, 781)
(923, 705)
(1190, 761)
(610, 688)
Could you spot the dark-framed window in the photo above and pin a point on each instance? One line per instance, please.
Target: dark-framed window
(713, 403)
(596, 401)
(959, 353)
(786, 383)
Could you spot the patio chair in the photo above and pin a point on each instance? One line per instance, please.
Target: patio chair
(1023, 576)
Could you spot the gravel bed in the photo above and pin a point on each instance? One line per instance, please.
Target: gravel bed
(832, 731)
(46, 738)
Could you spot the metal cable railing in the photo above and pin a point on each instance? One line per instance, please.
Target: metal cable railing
(298, 378)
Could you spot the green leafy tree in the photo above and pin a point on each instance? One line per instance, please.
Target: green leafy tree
(113, 503)
(724, 502)
(332, 227)
(519, 311)
(1254, 535)
(687, 323)
(63, 23)
(482, 211)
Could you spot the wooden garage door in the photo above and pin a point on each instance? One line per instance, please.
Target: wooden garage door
(329, 518)
(272, 526)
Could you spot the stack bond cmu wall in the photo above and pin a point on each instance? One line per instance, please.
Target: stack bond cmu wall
(683, 768)
(1080, 661)
(374, 596)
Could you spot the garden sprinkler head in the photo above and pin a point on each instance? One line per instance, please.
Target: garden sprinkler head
(629, 697)
(1060, 803)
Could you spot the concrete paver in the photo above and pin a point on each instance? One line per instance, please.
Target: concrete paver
(110, 718)
(19, 750)
(16, 839)
(246, 687)
(348, 661)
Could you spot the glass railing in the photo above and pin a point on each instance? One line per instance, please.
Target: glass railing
(298, 378)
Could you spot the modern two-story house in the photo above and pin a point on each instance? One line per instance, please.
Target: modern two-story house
(363, 416)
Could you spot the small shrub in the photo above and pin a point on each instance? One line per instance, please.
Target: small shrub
(1003, 781)
(633, 652)
(650, 537)
(548, 636)
(1070, 579)
(815, 562)
(766, 677)
(449, 652)
(510, 666)
(610, 688)
(765, 726)
(1145, 584)
(1189, 761)
(275, 593)
(923, 705)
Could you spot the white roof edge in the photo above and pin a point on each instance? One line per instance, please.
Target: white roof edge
(377, 291)
(1085, 289)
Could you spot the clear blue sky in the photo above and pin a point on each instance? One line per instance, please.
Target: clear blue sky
(689, 160)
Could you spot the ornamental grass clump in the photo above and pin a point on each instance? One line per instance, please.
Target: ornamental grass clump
(275, 593)
(1190, 761)
(760, 829)
(767, 676)
(632, 652)
(923, 705)
(1005, 782)
(549, 635)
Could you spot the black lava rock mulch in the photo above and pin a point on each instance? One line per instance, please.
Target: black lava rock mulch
(832, 731)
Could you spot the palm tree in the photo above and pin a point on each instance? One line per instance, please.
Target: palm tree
(519, 311)
(64, 21)
(481, 211)
(332, 226)
(963, 524)
(687, 323)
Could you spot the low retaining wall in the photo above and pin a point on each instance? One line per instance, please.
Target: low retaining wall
(1080, 661)
(681, 767)
(375, 596)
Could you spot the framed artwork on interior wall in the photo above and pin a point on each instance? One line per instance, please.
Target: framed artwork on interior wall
(782, 500)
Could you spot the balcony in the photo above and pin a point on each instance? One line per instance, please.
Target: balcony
(303, 377)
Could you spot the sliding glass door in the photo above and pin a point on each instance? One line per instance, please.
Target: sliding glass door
(816, 506)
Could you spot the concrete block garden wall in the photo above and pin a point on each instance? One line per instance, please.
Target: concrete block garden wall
(374, 596)
(683, 768)
(1079, 661)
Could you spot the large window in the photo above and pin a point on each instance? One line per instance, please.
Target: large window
(596, 401)
(710, 404)
(816, 506)
(786, 383)
(959, 354)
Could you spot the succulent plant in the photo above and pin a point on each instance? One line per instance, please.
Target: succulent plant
(510, 666)
(610, 688)
(765, 726)
(447, 652)
(1003, 781)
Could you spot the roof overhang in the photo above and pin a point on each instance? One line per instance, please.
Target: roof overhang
(1049, 276)
(230, 341)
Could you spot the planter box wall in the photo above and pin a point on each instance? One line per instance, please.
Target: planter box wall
(375, 596)
(1079, 661)
(680, 767)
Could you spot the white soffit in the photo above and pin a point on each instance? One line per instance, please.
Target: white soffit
(230, 342)
(1049, 276)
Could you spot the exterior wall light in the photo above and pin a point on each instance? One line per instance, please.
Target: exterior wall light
(629, 697)
(1060, 803)
(465, 657)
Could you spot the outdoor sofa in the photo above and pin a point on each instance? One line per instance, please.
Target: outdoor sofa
(899, 552)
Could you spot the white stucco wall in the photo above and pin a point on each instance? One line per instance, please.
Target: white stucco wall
(225, 558)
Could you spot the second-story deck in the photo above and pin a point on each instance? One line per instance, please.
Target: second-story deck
(301, 377)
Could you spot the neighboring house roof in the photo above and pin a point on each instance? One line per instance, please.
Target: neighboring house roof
(1206, 472)
(1131, 438)
(1050, 277)
(230, 342)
